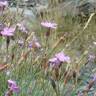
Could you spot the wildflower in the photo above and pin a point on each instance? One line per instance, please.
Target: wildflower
(49, 24)
(54, 62)
(15, 89)
(11, 83)
(13, 86)
(37, 44)
(8, 31)
(58, 59)
(3, 4)
(62, 57)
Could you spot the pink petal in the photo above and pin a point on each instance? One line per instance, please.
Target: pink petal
(49, 24)
(52, 60)
(37, 44)
(62, 57)
(5, 3)
(15, 89)
(11, 82)
(8, 31)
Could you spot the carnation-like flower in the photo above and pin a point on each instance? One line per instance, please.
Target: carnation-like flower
(8, 31)
(38, 44)
(15, 89)
(3, 4)
(54, 62)
(62, 57)
(13, 86)
(49, 24)
(58, 59)
(11, 82)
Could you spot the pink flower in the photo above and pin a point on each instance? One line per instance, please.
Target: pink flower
(8, 31)
(13, 86)
(11, 82)
(38, 44)
(58, 59)
(3, 4)
(54, 62)
(15, 89)
(62, 57)
(49, 24)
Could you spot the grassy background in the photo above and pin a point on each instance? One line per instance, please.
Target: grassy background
(29, 74)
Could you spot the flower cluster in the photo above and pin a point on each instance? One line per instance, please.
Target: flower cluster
(58, 59)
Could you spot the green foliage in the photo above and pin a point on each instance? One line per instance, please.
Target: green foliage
(30, 74)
